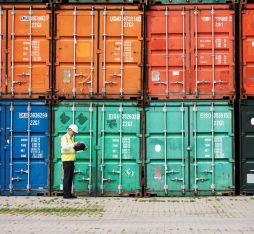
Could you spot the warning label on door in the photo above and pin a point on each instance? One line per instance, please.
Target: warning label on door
(250, 178)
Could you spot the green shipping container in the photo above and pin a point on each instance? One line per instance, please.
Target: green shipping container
(189, 148)
(111, 131)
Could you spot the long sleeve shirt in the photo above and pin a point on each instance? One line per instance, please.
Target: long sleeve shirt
(64, 143)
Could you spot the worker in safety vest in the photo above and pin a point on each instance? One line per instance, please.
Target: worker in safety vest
(68, 156)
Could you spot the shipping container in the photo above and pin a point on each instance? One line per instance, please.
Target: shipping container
(24, 147)
(246, 131)
(25, 51)
(102, 59)
(111, 131)
(190, 52)
(247, 50)
(189, 1)
(189, 148)
(104, 1)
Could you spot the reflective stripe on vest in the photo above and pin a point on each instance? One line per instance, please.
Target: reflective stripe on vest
(68, 155)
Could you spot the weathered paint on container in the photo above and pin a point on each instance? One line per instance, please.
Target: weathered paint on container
(25, 47)
(106, 59)
(103, 1)
(247, 50)
(190, 52)
(24, 157)
(111, 165)
(189, 148)
(246, 131)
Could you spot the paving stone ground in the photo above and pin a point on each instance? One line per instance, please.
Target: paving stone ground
(127, 215)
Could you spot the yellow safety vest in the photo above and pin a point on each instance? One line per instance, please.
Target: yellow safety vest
(68, 155)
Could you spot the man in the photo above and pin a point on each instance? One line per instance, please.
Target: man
(68, 159)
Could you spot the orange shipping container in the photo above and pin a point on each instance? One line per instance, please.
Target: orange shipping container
(25, 46)
(98, 51)
(190, 52)
(247, 50)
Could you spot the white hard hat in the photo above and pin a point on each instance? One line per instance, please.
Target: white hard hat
(74, 128)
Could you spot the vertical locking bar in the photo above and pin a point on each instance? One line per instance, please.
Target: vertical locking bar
(165, 147)
(90, 150)
(12, 50)
(74, 51)
(195, 146)
(104, 50)
(213, 53)
(183, 53)
(92, 52)
(102, 148)
(11, 148)
(120, 150)
(30, 57)
(1, 38)
(28, 145)
(167, 54)
(212, 135)
(183, 166)
(73, 109)
(122, 53)
(196, 49)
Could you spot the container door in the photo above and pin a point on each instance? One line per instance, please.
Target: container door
(27, 148)
(120, 57)
(167, 149)
(84, 116)
(247, 45)
(246, 147)
(3, 24)
(168, 47)
(212, 52)
(211, 137)
(119, 149)
(76, 73)
(28, 46)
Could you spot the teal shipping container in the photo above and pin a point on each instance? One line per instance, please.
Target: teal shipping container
(111, 131)
(189, 148)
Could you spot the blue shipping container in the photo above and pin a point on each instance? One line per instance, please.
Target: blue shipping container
(24, 147)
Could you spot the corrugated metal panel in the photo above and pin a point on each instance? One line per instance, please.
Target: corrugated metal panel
(26, 41)
(24, 147)
(106, 59)
(190, 52)
(188, 1)
(246, 112)
(110, 166)
(247, 50)
(189, 148)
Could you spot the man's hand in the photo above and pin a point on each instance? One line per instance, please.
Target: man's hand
(76, 143)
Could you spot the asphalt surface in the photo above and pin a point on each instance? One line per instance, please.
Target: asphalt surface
(127, 215)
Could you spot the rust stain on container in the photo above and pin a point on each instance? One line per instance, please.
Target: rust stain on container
(247, 50)
(103, 59)
(190, 52)
(26, 41)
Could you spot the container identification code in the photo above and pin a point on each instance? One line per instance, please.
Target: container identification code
(128, 21)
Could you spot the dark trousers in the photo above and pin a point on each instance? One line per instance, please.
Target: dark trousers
(68, 167)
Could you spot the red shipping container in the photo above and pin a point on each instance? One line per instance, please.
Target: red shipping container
(247, 50)
(190, 52)
(25, 46)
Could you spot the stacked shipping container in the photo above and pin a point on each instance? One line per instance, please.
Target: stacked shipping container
(190, 57)
(246, 104)
(25, 83)
(149, 87)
